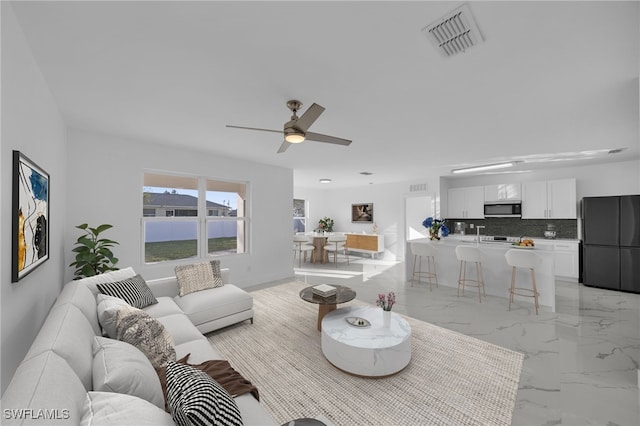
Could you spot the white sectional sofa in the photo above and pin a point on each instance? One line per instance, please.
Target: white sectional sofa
(54, 382)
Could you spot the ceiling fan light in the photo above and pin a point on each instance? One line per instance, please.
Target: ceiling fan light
(294, 136)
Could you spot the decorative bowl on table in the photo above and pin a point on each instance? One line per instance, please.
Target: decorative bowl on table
(358, 322)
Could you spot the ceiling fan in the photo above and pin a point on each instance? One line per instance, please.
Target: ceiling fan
(295, 130)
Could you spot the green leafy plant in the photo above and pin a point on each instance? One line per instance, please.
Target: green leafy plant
(325, 225)
(93, 254)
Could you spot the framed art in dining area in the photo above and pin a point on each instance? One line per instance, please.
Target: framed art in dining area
(362, 212)
(30, 216)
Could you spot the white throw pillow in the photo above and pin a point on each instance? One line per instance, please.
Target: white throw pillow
(107, 277)
(114, 409)
(121, 368)
(108, 307)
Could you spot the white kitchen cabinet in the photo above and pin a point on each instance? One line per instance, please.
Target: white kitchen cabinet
(466, 203)
(567, 259)
(566, 256)
(503, 192)
(553, 199)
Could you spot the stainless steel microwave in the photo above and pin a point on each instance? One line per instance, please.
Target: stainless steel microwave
(508, 209)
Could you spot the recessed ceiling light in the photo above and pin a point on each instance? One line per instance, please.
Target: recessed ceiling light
(325, 180)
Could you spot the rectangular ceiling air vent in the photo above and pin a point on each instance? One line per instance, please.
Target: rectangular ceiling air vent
(454, 33)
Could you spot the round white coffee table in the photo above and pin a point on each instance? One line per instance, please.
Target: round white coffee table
(371, 351)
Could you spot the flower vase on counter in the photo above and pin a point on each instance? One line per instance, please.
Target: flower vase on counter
(436, 228)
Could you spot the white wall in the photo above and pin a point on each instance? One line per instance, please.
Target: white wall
(32, 124)
(105, 186)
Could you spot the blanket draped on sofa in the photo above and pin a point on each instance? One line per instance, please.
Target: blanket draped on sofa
(219, 370)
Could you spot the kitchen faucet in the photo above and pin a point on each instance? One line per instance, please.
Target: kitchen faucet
(478, 233)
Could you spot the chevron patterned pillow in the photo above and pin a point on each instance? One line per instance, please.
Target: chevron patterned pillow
(195, 399)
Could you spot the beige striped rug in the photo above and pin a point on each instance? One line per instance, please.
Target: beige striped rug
(452, 379)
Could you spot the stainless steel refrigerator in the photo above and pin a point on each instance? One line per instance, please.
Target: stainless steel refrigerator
(611, 242)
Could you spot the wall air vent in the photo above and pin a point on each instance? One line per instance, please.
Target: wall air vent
(454, 33)
(418, 187)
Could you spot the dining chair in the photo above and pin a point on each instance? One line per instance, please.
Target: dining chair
(337, 244)
(301, 246)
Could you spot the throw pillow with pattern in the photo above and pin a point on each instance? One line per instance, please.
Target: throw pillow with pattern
(198, 276)
(134, 291)
(195, 399)
(146, 333)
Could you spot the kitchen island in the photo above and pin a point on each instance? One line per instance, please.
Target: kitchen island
(496, 271)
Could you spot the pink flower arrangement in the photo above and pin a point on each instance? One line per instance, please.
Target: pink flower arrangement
(386, 302)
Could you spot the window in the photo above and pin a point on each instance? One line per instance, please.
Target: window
(299, 216)
(189, 217)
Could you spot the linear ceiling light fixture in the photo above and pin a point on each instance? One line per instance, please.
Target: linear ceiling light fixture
(325, 180)
(485, 167)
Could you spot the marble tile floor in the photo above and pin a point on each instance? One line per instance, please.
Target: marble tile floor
(582, 363)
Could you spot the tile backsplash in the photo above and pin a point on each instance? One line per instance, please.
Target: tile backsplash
(515, 227)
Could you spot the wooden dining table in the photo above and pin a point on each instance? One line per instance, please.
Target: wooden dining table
(319, 255)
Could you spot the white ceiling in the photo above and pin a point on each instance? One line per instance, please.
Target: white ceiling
(551, 77)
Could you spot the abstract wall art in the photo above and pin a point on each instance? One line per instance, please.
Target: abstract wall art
(30, 215)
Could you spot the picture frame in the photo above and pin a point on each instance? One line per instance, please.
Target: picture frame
(30, 216)
(362, 213)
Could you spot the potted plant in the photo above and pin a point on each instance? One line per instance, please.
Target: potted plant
(325, 225)
(93, 254)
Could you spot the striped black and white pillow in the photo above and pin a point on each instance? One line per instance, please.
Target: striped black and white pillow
(195, 399)
(134, 291)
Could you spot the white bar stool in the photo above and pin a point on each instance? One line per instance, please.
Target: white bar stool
(470, 254)
(301, 245)
(521, 258)
(428, 251)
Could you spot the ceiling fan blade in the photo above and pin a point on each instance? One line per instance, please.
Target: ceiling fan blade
(328, 139)
(255, 128)
(309, 117)
(283, 147)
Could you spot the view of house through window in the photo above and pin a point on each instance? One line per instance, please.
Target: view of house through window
(189, 217)
(299, 216)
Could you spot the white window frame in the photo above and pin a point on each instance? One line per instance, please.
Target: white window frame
(202, 219)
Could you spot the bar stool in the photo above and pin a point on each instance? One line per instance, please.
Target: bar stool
(519, 258)
(301, 244)
(470, 254)
(428, 251)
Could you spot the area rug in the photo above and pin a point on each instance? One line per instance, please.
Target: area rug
(452, 379)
